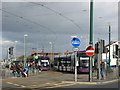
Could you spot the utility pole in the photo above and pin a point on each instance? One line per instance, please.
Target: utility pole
(25, 50)
(99, 58)
(109, 44)
(52, 53)
(91, 39)
(15, 51)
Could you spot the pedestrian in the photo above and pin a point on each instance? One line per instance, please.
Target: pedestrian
(102, 68)
(13, 67)
(27, 70)
(33, 67)
(18, 69)
(39, 67)
(24, 74)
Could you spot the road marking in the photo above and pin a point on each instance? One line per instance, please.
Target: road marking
(16, 84)
(46, 84)
(57, 85)
(9, 83)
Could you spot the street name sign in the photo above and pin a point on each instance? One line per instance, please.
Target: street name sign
(90, 51)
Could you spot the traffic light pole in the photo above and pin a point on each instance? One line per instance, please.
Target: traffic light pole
(91, 39)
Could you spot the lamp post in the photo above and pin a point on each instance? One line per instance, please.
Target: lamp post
(52, 54)
(15, 50)
(25, 50)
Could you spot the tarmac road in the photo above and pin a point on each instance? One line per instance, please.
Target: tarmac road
(50, 80)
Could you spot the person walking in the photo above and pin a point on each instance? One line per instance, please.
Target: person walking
(102, 68)
(13, 67)
(27, 70)
(18, 69)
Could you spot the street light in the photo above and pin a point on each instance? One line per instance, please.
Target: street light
(15, 50)
(25, 50)
(52, 54)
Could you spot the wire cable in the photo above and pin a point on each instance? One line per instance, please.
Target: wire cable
(48, 29)
(58, 14)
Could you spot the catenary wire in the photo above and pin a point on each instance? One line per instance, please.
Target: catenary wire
(46, 28)
(58, 14)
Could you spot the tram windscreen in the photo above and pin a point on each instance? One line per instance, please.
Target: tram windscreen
(84, 62)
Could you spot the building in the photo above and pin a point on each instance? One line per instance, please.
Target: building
(46, 54)
(114, 53)
(102, 53)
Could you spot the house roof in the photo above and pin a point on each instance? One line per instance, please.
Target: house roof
(112, 43)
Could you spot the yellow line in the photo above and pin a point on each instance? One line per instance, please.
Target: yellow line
(16, 84)
(45, 84)
(9, 83)
(61, 85)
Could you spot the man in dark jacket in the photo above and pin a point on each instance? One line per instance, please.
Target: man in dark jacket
(102, 68)
(18, 69)
(13, 67)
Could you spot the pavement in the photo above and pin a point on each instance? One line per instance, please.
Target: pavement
(50, 79)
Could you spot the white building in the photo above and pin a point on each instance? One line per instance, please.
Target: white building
(113, 58)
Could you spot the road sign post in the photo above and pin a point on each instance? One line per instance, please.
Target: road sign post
(75, 42)
(90, 53)
(91, 37)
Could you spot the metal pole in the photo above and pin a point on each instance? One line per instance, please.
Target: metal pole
(52, 54)
(109, 44)
(15, 52)
(99, 58)
(106, 63)
(91, 39)
(24, 53)
(25, 50)
(75, 52)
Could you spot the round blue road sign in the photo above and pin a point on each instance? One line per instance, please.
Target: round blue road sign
(75, 42)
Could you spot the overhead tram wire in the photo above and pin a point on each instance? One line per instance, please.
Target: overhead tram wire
(58, 14)
(48, 29)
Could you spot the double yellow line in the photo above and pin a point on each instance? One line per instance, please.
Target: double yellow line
(16, 84)
(45, 85)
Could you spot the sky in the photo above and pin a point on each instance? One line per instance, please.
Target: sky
(56, 22)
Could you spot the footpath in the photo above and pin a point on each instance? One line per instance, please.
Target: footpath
(64, 77)
(112, 76)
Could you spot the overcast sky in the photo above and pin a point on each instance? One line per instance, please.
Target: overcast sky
(56, 22)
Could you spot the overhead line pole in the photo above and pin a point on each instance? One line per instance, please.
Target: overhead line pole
(91, 39)
(109, 44)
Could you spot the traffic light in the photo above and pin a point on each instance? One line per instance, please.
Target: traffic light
(11, 50)
(97, 48)
(106, 50)
(116, 49)
(103, 45)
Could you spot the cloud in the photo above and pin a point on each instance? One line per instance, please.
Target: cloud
(56, 22)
